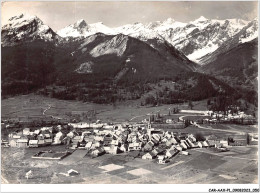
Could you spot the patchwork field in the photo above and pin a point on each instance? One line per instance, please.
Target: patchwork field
(216, 167)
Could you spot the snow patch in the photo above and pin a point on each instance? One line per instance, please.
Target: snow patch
(196, 55)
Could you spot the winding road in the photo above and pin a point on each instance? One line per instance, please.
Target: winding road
(49, 106)
(144, 115)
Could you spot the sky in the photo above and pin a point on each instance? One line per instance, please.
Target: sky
(114, 13)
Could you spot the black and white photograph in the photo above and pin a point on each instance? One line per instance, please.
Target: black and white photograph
(129, 92)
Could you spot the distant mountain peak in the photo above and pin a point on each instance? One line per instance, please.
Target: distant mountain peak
(169, 20)
(22, 16)
(81, 23)
(201, 18)
(20, 20)
(26, 27)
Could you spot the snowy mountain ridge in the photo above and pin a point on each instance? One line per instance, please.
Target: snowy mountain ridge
(195, 39)
(24, 27)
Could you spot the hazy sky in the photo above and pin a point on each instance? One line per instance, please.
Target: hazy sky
(60, 14)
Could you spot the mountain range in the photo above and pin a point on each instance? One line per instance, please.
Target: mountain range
(34, 55)
(195, 39)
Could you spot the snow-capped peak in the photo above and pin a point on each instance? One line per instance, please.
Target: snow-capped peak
(82, 29)
(201, 19)
(80, 23)
(169, 21)
(26, 27)
(20, 20)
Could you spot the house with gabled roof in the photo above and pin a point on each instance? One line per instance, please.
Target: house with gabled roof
(199, 144)
(114, 142)
(26, 131)
(187, 144)
(122, 138)
(99, 138)
(149, 156)
(190, 143)
(191, 138)
(58, 138)
(33, 143)
(48, 141)
(97, 152)
(157, 137)
(183, 146)
(88, 145)
(149, 146)
(41, 142)
(171, 141)
(137, 146)
(155, 141)
(114, 150)
(157, 151)
(22, 143)
(205, 144)
(211, 143)
(171, 153)
(178, 147)
(107, 149)
(97, 144)
(164, 140)
(82, 144)
(124, 148)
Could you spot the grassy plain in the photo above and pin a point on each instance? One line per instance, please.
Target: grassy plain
(36, 106)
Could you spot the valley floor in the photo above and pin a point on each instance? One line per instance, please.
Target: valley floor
(202, 166)
(35, 106)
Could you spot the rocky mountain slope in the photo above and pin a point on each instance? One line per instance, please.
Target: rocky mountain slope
(26, 28)
(195, 39)
(236, 64)
(88, 64)
(246, 34)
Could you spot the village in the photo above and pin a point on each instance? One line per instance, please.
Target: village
(145, 138)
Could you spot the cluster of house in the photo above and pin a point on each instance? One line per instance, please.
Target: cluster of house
(27, 138)
(229, 116)
(155, 143)
(117, 138)
(113, 139)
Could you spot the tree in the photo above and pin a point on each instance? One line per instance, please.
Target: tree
(199, 137)
(208, 102)
(190, 105)
(230, 139)
(187, 122)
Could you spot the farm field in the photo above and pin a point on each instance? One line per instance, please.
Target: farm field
(216, 168)
(239, 128)
(35, 106)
